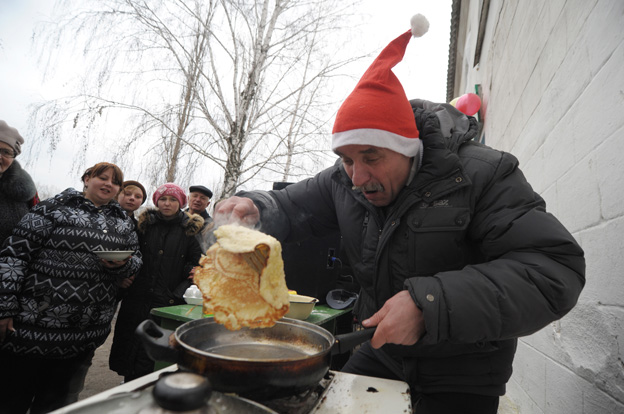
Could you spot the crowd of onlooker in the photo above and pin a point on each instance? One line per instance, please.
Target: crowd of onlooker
(58, 297)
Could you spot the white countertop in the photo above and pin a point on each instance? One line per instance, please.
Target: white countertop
(347, 394)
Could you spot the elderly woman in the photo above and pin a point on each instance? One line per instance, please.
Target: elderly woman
(17, 190)
(170, 251)
(57, 297)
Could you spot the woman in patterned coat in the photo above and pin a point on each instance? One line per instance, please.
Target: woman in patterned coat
(57, 298)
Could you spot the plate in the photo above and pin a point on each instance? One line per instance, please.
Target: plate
(113, 254)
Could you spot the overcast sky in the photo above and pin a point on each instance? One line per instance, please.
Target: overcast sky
(422, 71)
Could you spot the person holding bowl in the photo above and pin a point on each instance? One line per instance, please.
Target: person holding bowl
(57, 298)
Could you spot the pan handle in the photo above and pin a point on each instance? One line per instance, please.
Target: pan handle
(156, 341)
(348, 341)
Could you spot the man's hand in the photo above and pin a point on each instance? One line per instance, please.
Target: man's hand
(6, 325)
(236, 210)
(399, 322)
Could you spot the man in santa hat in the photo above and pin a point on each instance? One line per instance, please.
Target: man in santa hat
(455, 253)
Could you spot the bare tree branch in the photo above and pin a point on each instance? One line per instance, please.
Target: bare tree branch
(242, 86)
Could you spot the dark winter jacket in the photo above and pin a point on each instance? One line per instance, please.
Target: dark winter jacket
(170, 250)
(60, 296)
(467, 237)
(17, 191)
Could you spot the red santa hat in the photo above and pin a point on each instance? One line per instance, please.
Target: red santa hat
(378, 112)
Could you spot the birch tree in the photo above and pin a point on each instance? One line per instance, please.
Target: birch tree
(173, 85)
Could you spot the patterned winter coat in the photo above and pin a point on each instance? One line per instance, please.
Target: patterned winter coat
(61, 298)
(17, 191)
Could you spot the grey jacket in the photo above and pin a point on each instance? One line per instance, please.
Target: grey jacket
(469, 239)
(17, 189)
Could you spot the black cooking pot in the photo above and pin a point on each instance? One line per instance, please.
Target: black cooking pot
(286, 359)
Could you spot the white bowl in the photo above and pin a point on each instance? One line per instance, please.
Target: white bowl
(193, 301)
(193, 295)
(113, 254)
(300, 306)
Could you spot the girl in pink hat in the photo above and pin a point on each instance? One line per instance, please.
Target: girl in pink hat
(170, 250)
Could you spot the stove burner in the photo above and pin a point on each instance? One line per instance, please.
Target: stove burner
(300, 403)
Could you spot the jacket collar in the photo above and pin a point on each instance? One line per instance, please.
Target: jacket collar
(71, 196)
(191, 223)
(17, 184)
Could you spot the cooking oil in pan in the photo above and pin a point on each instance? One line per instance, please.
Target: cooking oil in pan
(258, 351)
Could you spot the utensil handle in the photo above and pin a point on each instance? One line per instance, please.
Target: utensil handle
(348, 341)
(156, 341)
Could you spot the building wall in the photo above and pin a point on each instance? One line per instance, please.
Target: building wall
(552, 84)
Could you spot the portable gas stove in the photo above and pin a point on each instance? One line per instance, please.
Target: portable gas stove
(336, 393)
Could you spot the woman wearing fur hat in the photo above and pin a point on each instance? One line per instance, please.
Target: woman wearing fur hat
(170, 250)
(17, 190)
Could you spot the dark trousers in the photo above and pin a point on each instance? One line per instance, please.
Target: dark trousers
(39, 384)
(370, 362)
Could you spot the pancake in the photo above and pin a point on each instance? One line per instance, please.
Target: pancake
(233, 290)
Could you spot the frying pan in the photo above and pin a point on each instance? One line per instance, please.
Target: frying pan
(288, 358)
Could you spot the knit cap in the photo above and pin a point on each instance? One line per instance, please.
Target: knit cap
(378, 112)
(136, 184)
(10, 136)
(170, 189)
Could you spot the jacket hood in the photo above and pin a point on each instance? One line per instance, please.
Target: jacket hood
(457, 128)
(17, 184)
(192, 223)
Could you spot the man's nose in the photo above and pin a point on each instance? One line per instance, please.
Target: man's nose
(360, 175)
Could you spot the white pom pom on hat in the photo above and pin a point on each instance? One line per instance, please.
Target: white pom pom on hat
(420, 25)
(377, 112)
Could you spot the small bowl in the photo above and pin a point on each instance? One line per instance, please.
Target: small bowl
(300, 306)
(193, 301)
(193, 296)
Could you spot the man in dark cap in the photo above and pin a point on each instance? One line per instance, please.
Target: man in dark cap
(198, 202)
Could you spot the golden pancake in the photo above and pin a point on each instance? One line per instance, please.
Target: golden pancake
(233, 289)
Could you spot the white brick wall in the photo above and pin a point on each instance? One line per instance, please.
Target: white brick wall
(552, 78)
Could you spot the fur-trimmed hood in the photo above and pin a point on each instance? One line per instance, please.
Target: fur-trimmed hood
(192, 223)
(17, 184)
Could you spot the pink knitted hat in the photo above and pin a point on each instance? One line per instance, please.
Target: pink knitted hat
(170, 189)
(378, 112)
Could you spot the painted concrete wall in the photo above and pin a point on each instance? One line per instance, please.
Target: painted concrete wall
(552, 79)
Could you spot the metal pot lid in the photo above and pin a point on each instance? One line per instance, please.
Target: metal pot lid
(181, 395)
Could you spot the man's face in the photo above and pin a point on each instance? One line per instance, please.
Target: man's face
(198, 202)
(379, 173)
